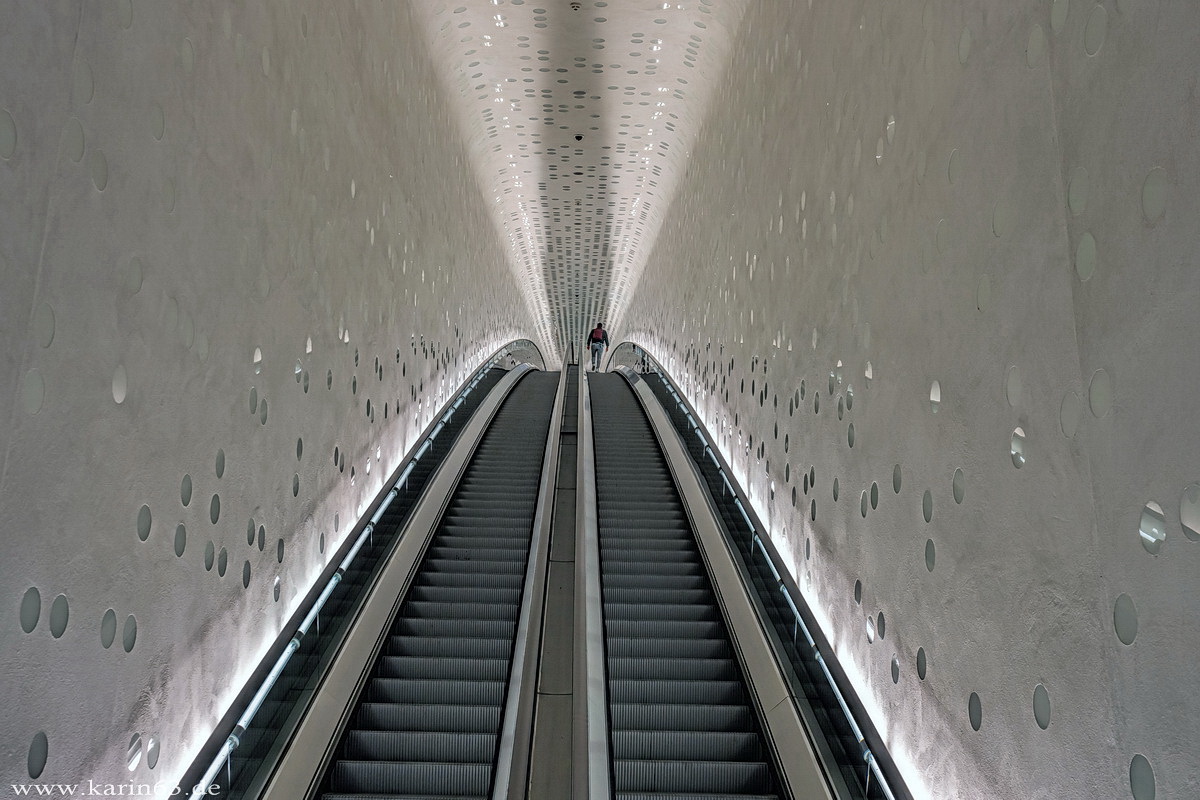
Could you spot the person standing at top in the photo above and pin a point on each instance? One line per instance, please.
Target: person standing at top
(597, 340)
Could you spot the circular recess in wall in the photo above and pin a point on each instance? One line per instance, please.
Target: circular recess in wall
(1058, 15)
(862, 504)
(880, 625)
(210, 555)
(275, 589)
(812, 477)
(807, 549)
(958, 485)
(108, 628)
(133, 754)
(98, 164)
(1035, 48)
(262, 411)
(180, 539)
(143, 523)
(858, 592)
(153, 750)
(835, 489)
(896, 479)
(279, 551)
(222, 562)
(187, 56)
(813, 510)
(214, 509)
(1152, 528)
(927, 505)
(1085, 257)
(1189, 511)
(262, 538)
(129, 634)
(60, 612)
(870, 630)
(1012, 386)
(930, 555)
(120, 384)
(1154, 195)
(850, 435)
(922, 663)
(250, 527)
(43, 325)
(1001, 218)
(935, 396)
(953, 166)
(1041, 706)
(245, 574)
(33, 391)
(1100, 393)
(816, 402)
(31, 609)
(220, 464)
(895, 668)
(296, 485)
(874, 495)
(253, 400)
(1017, 448)
(841, 408)
(321, 543)
(39, 751)
(1141, 778)
(185, 490)
(1095, 30)
(1069, 414)
(849, 398)
(1125, 619)
(975, 711)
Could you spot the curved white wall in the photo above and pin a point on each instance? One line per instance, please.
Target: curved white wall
(185, 185)
(913, 191)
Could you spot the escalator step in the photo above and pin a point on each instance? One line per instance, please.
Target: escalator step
(682, 669)
(673, 691)
(393, 777)
(426, 717)
(428, 690)
(448, 646)
(687, 745)
(471, 669)
(458, 747)
(729, 777)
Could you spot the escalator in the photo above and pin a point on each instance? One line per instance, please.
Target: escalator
(682, 723)
(428, 720)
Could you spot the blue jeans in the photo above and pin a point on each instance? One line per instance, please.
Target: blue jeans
(597, 352)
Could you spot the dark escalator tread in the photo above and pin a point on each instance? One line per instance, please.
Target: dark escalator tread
(419, 745)
(427, 717)
(729, 777)
(682, 724)
(431, 778)
(688, 745)
(685, 796)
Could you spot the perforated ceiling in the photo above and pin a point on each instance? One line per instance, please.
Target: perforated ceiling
(580, 117)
